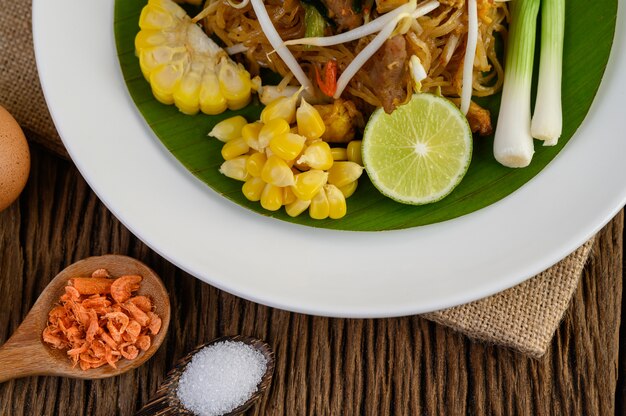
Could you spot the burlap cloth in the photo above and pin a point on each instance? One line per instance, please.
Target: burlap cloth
(523, 318)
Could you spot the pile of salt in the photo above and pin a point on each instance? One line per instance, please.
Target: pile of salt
(220, 378)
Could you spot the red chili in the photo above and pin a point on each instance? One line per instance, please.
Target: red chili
(329, 85)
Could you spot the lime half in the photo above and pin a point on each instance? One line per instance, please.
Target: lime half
(419, 153)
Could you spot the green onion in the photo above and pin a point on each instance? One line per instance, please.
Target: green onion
(513, 143)
(314, 22)
(547, 121)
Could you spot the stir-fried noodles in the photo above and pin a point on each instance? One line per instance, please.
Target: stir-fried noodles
(438, 39)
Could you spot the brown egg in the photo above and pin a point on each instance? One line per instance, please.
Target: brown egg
(14, 159)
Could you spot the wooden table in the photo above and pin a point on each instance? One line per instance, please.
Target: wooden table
(402, 366)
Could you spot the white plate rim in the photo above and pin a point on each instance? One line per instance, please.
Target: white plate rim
(352, 274)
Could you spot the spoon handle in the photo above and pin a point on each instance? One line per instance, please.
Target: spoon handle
(23, 355)
(159, 406)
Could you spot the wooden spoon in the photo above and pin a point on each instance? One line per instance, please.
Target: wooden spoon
(25, 353)
(166, 402)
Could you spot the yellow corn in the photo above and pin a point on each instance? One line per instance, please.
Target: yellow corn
(317, 156)
(187, 91)
(287, 145)
(236, 168)
(348, 190)
(235, 84)
(184, 66)
(273, 128)
(354, 152)
(297, 207)
(282, 107)
(253, 188)
(160, 15)
(276, 172)
(272, 197)
(228, 129)
(307, 184)
(163, 80)
(288, 195)
(250, 133)
(153, 57)
(342, 173)
(336, 202)
(310, 123)
(211, 99)
(234, 148)
(320, 208)
(339, 153)
(255, 163)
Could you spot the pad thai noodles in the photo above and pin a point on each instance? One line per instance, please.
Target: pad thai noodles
(435, 42)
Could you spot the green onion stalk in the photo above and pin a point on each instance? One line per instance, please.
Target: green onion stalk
(547, 121)
(513, 143)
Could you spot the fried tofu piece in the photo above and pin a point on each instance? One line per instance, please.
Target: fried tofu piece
(342, 120)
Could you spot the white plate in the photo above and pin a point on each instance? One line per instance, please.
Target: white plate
(299, 268)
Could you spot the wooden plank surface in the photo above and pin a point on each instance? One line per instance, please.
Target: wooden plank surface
(401, 366)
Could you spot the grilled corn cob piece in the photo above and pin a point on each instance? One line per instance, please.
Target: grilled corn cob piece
(184, 66)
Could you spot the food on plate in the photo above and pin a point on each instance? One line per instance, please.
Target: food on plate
(283, 160)
(513, 143)
(14, 159)
(100, 320)
(426, 165)
(185, 67)
(342, 65)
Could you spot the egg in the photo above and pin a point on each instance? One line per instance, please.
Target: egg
(14, 159)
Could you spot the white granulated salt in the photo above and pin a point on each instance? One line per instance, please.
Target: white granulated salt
(220, 378)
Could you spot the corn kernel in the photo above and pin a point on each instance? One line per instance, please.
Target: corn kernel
(342, 173)
(255, 163)
(288, 195)
(149, 38)
(187, 92)
(163, 80)
(348, 190)
(336, 202)
(273, 128)
(287, 145)
(211, 99)
(297, 207)
(354, 152)
(155, 17)
(307, 184)
(151, 58)
(272, 197)
(236, 168)
(234, 148)
(170, 7)
(228, 129)
(310, 123)
(317, 156)
(234, 84)
(250, 133)
(253, 188)
(276, 172)
(282, 107)
(339, 153)
(320, 208)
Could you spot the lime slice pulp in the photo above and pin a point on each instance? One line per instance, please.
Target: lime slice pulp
(419, 153)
